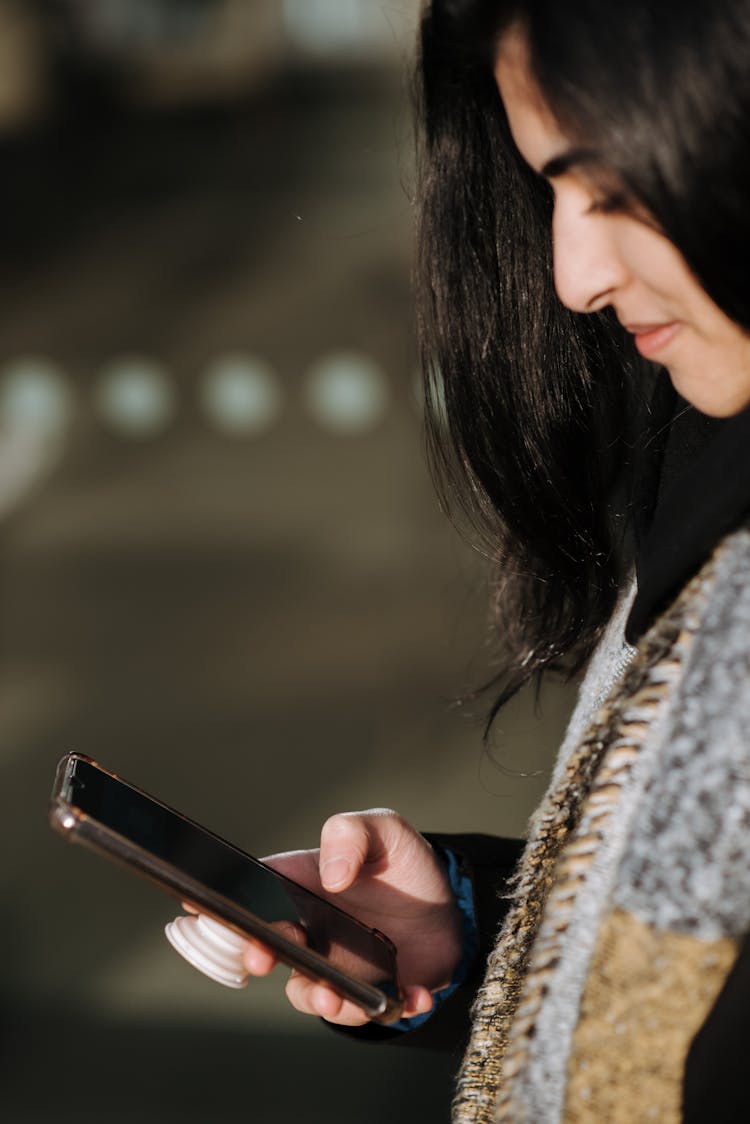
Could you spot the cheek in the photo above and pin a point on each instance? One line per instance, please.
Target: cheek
(656, 263)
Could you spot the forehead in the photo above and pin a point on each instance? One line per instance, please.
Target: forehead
(532, 124)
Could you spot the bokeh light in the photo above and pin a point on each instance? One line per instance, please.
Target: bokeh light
(347, 392)
(325, 25)
(35, 398)
(241, 395)
(135, 397)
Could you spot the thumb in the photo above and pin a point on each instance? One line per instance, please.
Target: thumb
(348, 841)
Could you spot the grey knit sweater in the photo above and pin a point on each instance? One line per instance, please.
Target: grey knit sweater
(634, 888)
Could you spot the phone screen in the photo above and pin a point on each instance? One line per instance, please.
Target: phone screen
(225, 869)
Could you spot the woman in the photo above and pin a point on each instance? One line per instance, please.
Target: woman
(583, 249)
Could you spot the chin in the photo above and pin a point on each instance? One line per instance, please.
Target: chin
(715, 399)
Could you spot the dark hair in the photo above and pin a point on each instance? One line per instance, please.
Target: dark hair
(531, 408)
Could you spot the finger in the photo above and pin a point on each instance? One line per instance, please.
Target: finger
(347, 841)
(259, 958)
(316, 999)
(300, 866)
(417, 1001)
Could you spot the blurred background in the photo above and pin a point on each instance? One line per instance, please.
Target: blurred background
(223, 572)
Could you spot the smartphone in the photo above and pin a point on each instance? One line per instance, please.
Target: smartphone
(95, 807)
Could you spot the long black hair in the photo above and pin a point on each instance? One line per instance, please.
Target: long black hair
(532, 410)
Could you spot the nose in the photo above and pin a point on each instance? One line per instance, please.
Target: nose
(588, 268)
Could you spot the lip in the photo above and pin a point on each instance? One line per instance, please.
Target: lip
(652, 338)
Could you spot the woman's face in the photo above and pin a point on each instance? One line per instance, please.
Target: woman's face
(613, 258)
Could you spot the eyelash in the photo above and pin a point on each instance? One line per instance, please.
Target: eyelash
(609, 204)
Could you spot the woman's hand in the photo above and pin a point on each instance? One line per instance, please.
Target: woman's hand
(376, 866)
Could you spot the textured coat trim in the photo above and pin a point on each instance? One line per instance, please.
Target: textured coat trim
(545, 889)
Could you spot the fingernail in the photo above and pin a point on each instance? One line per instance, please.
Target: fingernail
(335, 872)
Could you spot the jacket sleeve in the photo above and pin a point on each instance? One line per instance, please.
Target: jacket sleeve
(489, 863)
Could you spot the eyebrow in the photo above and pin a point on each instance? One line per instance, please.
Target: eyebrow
(563, 163)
